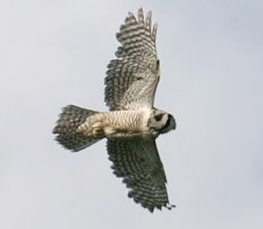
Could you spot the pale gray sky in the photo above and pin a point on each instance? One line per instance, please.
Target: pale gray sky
(54, 53)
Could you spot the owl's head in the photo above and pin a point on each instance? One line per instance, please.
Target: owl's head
(161, 122)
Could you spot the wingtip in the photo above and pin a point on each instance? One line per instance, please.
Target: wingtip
(152, 208)
(170, 206)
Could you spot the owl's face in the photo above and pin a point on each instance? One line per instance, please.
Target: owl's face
(161, 122)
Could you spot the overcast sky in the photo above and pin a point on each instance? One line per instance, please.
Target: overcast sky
(54, 53)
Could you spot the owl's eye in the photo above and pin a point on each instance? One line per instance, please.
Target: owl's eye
(158, 117)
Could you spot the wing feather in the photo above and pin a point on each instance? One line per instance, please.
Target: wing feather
(132, 79)
(137, 161)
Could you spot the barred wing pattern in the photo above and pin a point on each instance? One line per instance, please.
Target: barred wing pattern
(137, 161)
(132, 79)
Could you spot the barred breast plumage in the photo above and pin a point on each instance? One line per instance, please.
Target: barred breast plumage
(132, 124)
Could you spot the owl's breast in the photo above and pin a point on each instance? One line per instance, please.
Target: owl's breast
(126, 123)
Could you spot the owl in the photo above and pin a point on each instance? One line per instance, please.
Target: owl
(132, 123)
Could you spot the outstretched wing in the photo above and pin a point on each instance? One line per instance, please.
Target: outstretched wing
(132, 79)
(137, 161)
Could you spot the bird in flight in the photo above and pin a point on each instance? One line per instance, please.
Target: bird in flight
(133, 123)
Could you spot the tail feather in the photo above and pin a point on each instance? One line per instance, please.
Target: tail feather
(67, 131)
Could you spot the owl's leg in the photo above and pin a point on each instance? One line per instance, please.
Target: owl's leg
(97, 129)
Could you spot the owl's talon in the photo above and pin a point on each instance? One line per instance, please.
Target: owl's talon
(97, 132)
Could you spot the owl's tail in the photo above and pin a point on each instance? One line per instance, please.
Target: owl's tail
(68, 132)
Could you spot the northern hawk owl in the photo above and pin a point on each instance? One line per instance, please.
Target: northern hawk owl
(133, 123)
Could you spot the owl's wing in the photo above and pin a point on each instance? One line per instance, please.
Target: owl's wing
(137, 161)
(132, 79)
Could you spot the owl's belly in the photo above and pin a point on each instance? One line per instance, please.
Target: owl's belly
(110, 131)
